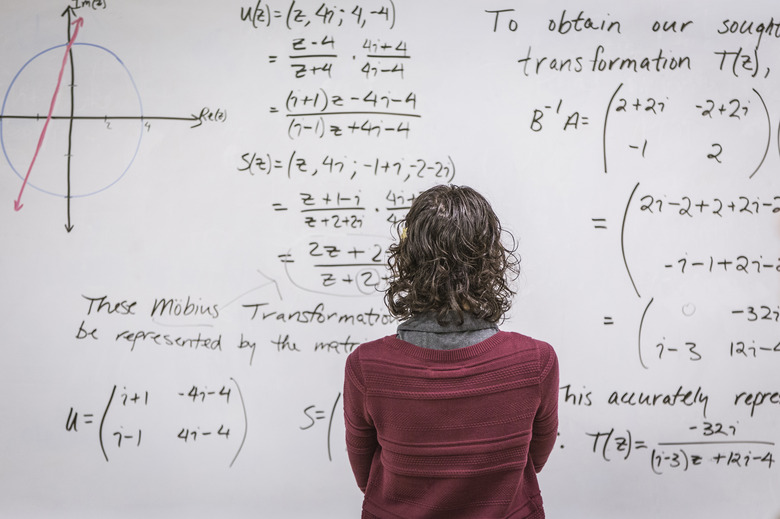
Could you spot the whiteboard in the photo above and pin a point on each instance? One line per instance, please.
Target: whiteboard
(197, 197)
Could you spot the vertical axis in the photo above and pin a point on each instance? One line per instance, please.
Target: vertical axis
(69, 226)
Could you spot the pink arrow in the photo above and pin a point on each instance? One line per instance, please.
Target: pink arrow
(78, 23)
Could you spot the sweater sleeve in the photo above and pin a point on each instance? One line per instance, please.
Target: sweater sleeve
(545, 429)
(360, 432)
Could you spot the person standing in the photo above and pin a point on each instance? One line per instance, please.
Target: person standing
(451, 417)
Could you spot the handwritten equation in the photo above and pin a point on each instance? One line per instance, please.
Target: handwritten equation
(685, 456)
(294, 14)
(120, 426)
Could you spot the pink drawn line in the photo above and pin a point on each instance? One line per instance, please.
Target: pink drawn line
(78, 23)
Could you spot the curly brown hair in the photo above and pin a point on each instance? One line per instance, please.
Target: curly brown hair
(450, 258)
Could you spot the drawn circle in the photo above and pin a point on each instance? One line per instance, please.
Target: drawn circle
(94, 166)
(368, 274)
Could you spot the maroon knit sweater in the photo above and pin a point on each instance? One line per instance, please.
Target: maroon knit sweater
(451, 433)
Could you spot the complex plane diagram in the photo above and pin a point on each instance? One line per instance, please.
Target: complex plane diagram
(72, 119)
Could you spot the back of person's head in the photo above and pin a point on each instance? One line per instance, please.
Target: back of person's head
(450, 258)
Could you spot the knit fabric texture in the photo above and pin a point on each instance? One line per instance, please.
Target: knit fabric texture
(457, 433)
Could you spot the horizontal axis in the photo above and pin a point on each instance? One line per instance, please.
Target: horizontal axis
(101, 117)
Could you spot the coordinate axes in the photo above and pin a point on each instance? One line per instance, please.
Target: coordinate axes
(67, 58)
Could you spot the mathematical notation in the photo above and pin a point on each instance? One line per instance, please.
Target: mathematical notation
(119, 429)
(686, 456)
(319, 58)
(751, 349)
(759, 313)
(318, 127)
(299, 103)
(347, 266)
(699, 206)
(692, 351)
(345, 211)
(315, 414)
(567, 119)
(324, 69)
(336, 211)
(296, 165)
(736, 264)
(734, 109)
(296, 15)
